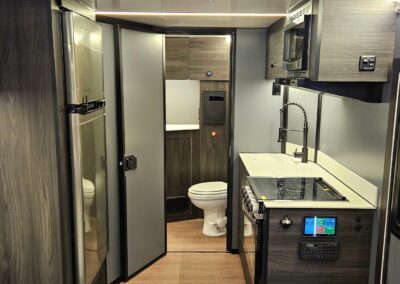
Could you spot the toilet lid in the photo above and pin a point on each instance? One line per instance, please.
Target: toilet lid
(209, 188)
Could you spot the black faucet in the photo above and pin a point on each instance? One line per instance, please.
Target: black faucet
(283, 132)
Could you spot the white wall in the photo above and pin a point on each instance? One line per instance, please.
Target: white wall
(182, 101)
(256, 120)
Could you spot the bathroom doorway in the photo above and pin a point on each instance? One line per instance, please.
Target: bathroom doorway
(197, 141)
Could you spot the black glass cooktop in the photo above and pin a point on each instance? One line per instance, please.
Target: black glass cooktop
(293, 188)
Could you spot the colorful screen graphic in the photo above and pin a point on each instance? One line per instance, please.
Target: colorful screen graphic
(319, 226)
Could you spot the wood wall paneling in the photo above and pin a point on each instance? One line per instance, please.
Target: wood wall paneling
(214, 150)
(182, 171)
(176, 58)
(30, 229)
(209, 54)
(352, 266)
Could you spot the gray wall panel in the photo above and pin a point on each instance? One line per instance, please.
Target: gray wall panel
(309, 100)
(256, 110)
(354, 134)
(113, 258)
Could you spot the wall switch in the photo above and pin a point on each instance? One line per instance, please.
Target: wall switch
(367, 63)
(276, 89)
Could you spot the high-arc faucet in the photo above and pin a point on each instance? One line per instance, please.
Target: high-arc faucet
(283, 132)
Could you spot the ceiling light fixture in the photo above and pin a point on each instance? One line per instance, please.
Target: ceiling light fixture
(173, 14)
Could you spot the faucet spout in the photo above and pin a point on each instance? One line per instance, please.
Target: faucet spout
(283, 132)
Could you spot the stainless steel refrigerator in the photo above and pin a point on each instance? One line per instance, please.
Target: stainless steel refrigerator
(389, 244)
(85, 98)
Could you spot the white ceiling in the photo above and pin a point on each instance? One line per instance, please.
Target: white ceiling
(223, 7)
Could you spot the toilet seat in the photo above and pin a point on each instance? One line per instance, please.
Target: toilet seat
(88, 188)
(208, 190)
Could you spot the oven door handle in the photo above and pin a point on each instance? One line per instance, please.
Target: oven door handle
(248, 215)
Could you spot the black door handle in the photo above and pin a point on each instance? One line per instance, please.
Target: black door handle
(130, 163)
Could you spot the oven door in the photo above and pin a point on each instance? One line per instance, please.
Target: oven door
(251, 247)
(296, 44)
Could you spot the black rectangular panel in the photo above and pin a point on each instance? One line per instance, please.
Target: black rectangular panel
(214, 107)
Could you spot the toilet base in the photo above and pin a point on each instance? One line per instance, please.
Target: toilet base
(214, 222)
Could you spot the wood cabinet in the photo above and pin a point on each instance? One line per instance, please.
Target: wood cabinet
(282, 261)
(197, 58)
(177, 58)
(274, 57)
(182, 171)
(345, 30)
(214, 149)
(209, 54)
(341, 32)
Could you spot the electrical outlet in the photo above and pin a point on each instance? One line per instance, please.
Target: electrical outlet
(367, 63)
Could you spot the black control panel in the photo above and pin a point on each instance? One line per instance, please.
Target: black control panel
(318, 250)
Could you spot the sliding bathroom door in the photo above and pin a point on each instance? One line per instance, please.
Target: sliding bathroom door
(144, 231)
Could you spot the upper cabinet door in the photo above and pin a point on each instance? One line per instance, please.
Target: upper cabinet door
(274, 67)
(176, 58)
(209, 58)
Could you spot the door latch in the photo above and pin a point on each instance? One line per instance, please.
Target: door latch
(130, 163)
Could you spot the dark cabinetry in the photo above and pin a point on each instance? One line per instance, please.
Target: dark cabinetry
(354, 232)
(182, 168)
(274, 58)
(214, 138)
(341, 32)
(209, 58)
(197, 58)
(177, 58)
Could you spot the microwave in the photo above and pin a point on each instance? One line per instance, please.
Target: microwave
(297, 41)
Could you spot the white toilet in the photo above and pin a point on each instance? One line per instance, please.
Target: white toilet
(211, 197)
(88, 197)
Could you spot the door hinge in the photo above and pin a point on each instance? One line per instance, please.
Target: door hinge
(130, 163)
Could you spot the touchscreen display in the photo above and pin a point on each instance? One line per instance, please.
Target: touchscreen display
(319, 226)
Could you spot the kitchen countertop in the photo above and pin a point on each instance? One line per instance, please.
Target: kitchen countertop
(182, 127)
(282, 165)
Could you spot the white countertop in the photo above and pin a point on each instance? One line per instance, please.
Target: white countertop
(282, 165)
(182, 127)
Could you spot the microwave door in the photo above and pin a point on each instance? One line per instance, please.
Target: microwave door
(89, 192)
(83, 59)
(296, 45)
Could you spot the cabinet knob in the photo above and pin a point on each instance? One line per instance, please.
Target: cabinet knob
(209, 74)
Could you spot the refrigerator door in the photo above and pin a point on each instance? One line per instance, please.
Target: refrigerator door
(395, 201)
(83, 59)
(89, 192)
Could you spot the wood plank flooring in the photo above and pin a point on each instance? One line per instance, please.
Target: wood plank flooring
(187, 235)
(193, 258)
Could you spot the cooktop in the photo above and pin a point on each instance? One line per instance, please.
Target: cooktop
(293, 188)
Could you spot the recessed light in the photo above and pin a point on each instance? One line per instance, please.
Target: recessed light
(173, 14)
